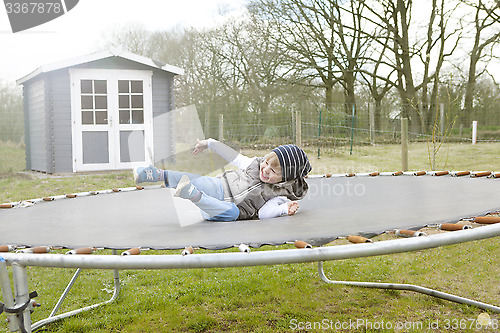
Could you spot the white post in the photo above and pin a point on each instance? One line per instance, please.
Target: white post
(474, 132)
(404, 144)
(442, 127)
(221, 127)
(298, 128)
(371, 116)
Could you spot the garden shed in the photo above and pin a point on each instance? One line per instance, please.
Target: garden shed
(108, 110)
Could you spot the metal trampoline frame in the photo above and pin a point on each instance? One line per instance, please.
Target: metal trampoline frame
(20, 262)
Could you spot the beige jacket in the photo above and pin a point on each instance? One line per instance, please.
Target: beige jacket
(249, 193)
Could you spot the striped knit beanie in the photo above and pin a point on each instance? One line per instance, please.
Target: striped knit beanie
(293, 161)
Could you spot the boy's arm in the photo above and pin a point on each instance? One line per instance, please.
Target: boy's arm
(224, 151)
(276, 207)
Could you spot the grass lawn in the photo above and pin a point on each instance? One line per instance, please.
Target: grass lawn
(281, 298)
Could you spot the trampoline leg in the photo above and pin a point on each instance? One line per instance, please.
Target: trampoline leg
(52, 317)
(65, 292)
(8, 299)
(409, 287)
(20, 275)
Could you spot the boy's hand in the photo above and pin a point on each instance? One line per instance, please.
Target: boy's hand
(201, 145)
(293, 206)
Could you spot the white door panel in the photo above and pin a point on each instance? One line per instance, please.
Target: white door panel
(111, 119)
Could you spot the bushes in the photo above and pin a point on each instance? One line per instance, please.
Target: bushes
(11, 114)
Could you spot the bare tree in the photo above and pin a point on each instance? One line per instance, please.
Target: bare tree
(11, 113)
(486, 36)
(132, 37)
(394, 17)
(407, 45)
(208, 79)
(247, 48)
(376, 75)
(323, 38)
(439, 34)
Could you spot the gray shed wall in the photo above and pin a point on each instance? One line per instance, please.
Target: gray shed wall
(162, 124)
(35, 102)
(60, 98)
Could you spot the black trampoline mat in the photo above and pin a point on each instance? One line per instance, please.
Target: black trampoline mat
(334, 207)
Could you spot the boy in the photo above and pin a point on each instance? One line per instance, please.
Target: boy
(262, 187)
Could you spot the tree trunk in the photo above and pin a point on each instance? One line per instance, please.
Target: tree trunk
(350, 94)
(328, 98)
(469, 93)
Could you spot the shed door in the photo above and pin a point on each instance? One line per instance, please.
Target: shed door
(112, 119)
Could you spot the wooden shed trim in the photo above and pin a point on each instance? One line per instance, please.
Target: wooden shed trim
(98, 56)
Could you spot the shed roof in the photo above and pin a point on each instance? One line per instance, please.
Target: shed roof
(115, 52)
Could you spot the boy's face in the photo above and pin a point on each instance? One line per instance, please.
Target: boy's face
(268, 174)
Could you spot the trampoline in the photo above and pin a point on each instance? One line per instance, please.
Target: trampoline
(335, 206)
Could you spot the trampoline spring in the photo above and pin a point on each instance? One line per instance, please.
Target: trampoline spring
(441, 173)
(357, 239)
(48, 199)
(82, 250)
(7, 248)
(495, 175)
(37, 249)
(419, 173)
(7, 205)
(374, 174)
(481, 174)
(453, 226)
(243, 248)
(460, 173)
(116, 190)
(71, 195)
(301, 244)
(397, 173)
(132, 252)
(409, 233)
(187, 251)
(487, 219)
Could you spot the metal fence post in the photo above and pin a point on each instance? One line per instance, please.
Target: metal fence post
(474, 132)
(352, 126)
(298, 128)
(371, 117)
(441, 121)
(319, 134)
(404, 144)
(221, 127)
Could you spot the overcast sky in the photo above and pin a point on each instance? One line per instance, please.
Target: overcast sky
(80, 31)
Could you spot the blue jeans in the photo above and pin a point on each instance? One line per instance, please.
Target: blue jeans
(212, 204)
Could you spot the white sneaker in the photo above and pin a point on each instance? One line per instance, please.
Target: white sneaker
(185, 189)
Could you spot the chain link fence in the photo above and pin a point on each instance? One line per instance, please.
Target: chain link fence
(341, 128)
